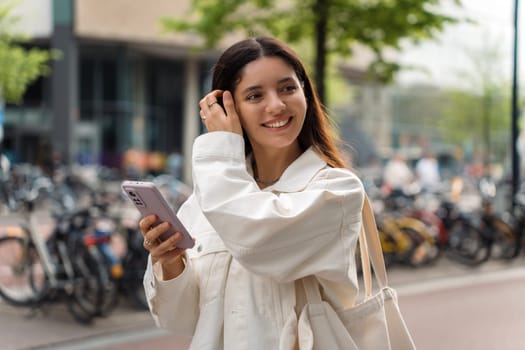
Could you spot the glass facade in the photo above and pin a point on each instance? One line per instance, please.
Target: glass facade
(126, 100)
(133, 101)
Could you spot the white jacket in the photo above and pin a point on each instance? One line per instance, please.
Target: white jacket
(237, 290)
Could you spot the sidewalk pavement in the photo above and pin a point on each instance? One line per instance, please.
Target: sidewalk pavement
(22, 328)
(126, 328)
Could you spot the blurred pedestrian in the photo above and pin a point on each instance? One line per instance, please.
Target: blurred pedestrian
(397, 175)
(427, 172)
(273, 202)
(5, 164)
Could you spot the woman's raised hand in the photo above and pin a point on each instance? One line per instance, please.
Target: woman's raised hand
(217, 118)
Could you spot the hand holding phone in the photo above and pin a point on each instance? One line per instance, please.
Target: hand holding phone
(148, 200)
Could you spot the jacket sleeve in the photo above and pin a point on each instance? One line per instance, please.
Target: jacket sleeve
(174, 303)
(284, 236)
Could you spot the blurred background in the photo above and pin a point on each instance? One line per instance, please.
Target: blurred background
(123, 76)
(426, 95)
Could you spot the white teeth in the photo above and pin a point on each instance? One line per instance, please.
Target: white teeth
(278, 124)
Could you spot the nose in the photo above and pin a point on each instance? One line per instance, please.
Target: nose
(274, 104)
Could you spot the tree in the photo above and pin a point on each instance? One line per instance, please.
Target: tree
(471, 119)
(480, 111)
(331, 26)
(19, 66)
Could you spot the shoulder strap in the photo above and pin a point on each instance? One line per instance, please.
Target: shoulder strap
(369, 240)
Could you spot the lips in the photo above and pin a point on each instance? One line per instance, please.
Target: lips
(277, 124)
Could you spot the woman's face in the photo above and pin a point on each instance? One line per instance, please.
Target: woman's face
(270, 102)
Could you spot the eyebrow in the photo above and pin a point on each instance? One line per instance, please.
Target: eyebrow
(256, 87)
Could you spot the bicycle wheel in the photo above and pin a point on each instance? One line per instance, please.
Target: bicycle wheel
(397, 246)
(425, 246)
(22, 278)
(467, 244)
(505, 241)
(134, 269)
(109, 291)
(85, 296)
(388, 246)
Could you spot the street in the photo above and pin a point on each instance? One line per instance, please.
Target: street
(446, 306)
(482, 312)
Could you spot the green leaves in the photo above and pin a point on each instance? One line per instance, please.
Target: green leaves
(376, 24)
(19, 66)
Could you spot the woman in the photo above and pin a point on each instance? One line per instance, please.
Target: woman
(272, 203)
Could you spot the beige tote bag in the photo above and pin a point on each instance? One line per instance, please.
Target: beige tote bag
(374, 324)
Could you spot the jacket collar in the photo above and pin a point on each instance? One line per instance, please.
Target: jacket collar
(298, 174)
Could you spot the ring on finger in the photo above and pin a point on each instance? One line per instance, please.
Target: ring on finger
(148, 242)
(211, 104)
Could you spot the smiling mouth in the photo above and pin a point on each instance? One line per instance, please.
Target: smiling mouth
(277, 124)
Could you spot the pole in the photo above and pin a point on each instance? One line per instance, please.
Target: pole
(515, 111)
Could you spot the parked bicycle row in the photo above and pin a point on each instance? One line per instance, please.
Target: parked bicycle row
(80, 263)
(416, 228)
(93, 256)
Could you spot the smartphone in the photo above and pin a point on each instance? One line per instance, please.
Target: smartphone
(148, 200)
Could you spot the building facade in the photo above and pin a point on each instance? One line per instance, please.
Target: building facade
(121, 82)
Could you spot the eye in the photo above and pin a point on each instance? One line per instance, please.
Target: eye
(253, 97)
(289, 88)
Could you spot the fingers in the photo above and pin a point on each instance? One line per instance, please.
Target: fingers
(152, 232)
(209, 104)
(149, 228)
(158, 247)
(146, 222)
(169, 246)
(229, 105)
(165, 252)
(213, 99)
(217, 118)
(231, 111)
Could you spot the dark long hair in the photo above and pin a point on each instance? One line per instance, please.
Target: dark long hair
(317, 131)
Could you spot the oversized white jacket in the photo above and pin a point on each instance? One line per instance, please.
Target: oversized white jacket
(237, 290)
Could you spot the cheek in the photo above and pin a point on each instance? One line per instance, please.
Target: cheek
(245, 113)
(304, 107)
(242, 114)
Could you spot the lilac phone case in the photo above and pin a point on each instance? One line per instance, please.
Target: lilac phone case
(148, 200)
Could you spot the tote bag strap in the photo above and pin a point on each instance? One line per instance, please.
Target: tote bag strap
(365, 263)
(369, 240)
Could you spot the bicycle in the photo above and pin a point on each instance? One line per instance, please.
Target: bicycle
(456, 233)
(111, 220)
(404, 239)
(34, 272)
(504, 231)
(134, 264)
